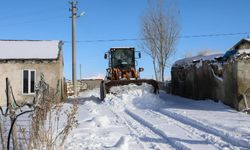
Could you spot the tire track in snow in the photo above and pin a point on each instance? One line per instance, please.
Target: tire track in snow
(225, 136)
(144, 131)
(139, 131)
(175, 144)
(210, 138)
(119, 118)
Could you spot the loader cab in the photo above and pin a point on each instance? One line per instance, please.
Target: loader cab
(122, 58)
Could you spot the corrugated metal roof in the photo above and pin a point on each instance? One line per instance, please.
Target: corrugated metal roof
(29, 49)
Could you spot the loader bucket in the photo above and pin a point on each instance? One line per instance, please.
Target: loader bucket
(106, 85)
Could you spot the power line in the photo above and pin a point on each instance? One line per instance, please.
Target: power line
(214, 35)
(181, 37)
(110, 40)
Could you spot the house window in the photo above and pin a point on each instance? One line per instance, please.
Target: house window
(29, 78)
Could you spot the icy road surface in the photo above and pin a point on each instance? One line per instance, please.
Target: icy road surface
(136, 119)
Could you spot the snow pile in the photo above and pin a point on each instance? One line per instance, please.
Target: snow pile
(132, 89)
(130, 95)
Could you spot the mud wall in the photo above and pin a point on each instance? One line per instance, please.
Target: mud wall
(92, 83)
(243, 82)
(224, 81)
(52, 70)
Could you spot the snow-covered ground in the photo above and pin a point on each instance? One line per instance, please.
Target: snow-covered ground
(135, 119)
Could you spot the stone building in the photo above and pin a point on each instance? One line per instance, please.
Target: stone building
(24, 61)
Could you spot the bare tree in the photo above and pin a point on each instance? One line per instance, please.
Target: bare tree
(160, 31)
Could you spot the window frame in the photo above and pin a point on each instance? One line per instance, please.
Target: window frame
(29, 81)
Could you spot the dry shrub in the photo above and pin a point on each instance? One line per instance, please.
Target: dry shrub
(47, 129)
(46, 120)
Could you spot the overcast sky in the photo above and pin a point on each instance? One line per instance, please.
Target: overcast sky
(120, 19)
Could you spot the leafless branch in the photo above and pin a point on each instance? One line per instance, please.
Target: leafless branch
(160, 29)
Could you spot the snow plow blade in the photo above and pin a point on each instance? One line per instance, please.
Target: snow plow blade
(106, 85)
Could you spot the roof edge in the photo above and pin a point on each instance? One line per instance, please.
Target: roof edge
(235, 45)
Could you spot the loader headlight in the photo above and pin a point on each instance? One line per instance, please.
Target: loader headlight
(108, 70)
(141, 69)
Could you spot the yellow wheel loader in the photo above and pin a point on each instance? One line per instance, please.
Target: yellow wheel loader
(122, 71)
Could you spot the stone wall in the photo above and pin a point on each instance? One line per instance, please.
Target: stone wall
(225, 81)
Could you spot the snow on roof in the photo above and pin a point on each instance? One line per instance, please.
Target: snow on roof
(29, 49)
(245, 39)
(188, 61)
(248, 40)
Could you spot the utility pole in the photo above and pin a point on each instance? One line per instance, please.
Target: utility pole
(74, 15)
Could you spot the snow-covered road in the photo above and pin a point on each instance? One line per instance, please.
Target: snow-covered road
(135, 118)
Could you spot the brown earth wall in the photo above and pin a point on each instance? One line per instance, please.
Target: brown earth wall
(208, 81)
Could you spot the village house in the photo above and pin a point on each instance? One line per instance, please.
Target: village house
(241, 45)
(24, 61)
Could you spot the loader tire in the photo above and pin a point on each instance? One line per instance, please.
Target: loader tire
(102, 90)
